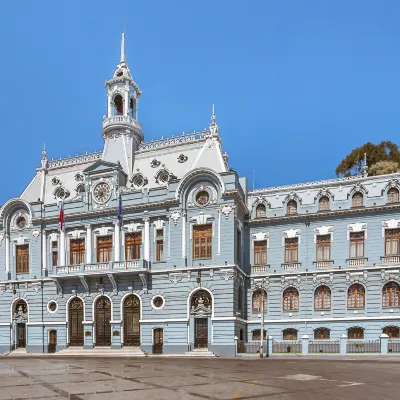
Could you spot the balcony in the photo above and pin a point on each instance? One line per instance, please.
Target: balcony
(122, 123)
(323, 263)
(354, 261)
(95, 268)
(260, 268)
(291, 266)
(392, 259)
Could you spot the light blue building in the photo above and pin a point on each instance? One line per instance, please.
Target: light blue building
(187, 262)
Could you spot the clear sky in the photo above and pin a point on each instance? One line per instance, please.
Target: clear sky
(296, 84)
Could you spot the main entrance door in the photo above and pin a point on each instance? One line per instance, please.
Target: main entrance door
(158, 340)
(75, 320)
(200, 332)
(103, 318)
(21, 331)
(131, 321)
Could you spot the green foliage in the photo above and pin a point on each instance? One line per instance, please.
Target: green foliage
(353, 162)
(383, 167)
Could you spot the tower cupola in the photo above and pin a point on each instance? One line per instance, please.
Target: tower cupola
(121, 125)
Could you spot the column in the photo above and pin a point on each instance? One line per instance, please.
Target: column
(384, 344)
(61, 256)
(117, 242)
(146, 238)
(305, 341)
(109, 109)
(343, 345)
(44, 250)
(88, 244)
(7, 252)
(183, 234)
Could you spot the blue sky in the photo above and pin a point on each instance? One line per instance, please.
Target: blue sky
(296, 84)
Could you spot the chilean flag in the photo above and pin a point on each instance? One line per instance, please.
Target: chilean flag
(119, 210)
(61, 216)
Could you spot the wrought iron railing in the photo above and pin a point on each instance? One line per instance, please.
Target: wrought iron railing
(324, 346)
(394, 346)
(286, 346)
(354, 261)
(291, 266)
(390, 259)
(323, 263)
(363, 346)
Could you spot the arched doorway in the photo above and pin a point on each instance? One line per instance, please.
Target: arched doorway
(200, 309)
(131, 321)
(103, 318)
(20, 318)
(75, 319)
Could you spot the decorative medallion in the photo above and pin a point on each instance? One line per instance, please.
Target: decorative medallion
(182, 158)
(155, 163)
(202, 198)
(138, 181)
(101, 192)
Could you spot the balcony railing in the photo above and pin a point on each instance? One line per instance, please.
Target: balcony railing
(323, 263)
(260, 268)
(354, 261)
(291, 266)
(390, 259)
(113, 266)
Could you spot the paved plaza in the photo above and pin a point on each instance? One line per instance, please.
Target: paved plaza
(173, 378)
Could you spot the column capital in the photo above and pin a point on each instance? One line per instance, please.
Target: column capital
(88, 226)
(146, 219)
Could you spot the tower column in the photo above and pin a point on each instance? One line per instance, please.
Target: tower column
(88, 243)
(7, 252)
(126, 103)
(146, 238)
(44, 250)
(117, 242)
(62, 248)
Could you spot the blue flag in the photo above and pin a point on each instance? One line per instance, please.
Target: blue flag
(120, 209)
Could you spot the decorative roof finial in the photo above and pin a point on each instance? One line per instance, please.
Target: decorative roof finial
(122, 59)
(44, 156)
(213, 125)
(364, 169)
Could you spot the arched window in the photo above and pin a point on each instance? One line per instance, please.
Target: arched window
(393, 195)
(324, 204)
(322, 334)
(257, 302)
(356, 296)
(392, 331)
(391, 295)
(355, 333)
(289, 334)
(118, 105)
(256, 334)
(322, 298)
(261, 211)
(291, 207)
(357, 200)
(290, 299)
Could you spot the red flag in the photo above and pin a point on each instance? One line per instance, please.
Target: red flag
(61, 216)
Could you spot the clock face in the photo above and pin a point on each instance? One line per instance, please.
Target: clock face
(102, 192)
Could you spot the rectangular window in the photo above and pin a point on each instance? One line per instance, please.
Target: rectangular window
(54, 253)
(160, 245)
(291, 250)
(202, 241)
(323, 247)
(356, 244)
(22, 259)
(392, 238)
(77, 251)
(260, 252)
(238, 245)
(133, 243)
(104, 248)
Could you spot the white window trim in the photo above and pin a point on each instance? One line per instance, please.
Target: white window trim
(390, 224)
(357, 227)
(323, 230)
(259, 237)
(290, 234)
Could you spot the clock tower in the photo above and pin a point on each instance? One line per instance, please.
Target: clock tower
(122, 132)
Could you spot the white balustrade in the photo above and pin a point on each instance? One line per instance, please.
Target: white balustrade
(123, 265)
(96, 267)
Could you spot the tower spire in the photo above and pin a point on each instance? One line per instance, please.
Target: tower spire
(213, 126)
(122, 59)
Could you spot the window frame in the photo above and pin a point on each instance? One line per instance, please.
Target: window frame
(353, 239)
(133, 245)
(321, 336)
(395, 237)
(257, 293)
(321, 240)
(292, 207)
(354, 328)
(22, 259)
(392, 296)
(54, 253)
(261, 209)
(291, 306)
(260, 252)
(77, 251)
(354, 199)
(160, 245)
(323, 295)
(107, 248)
(388, 331)
(290, 331)
(356, 293)
(389, 195)
(327, 201)
(198, 237)
(256, 334)
(289, 248)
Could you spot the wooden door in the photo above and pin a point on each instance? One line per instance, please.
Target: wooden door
(21, 332)
(52, 341)
(200, 332)
(158, 340)
(75, 320)
(103, 318)
(104, 248)
(131, 321)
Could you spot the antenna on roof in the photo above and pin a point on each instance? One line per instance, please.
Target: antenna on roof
(364, 169)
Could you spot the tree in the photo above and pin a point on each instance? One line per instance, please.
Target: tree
(384, 151)
(383, 167)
